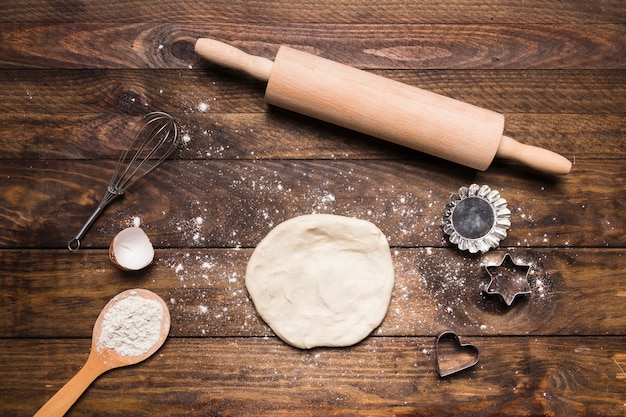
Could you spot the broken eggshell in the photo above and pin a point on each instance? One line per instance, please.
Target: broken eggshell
(131, 249)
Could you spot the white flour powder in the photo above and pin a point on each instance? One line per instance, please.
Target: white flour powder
(132, 326)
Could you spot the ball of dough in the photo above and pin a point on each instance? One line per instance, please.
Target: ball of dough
(321, 280)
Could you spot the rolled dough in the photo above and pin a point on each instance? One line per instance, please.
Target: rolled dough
(321, 280)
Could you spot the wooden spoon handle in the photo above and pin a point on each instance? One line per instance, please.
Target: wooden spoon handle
(537, 158)
(230, 57)
(72, 390)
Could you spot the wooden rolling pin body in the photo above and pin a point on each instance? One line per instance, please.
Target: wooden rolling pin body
(383, 108)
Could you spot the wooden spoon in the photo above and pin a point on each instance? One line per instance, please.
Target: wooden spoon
(102, 359)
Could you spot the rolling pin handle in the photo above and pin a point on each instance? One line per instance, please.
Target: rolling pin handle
(537, 158)
(230, 57)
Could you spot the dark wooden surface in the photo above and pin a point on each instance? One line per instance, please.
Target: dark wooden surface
(76, 75)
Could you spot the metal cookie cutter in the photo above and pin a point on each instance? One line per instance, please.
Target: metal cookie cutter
(454, 356)
(476, 218)
(508, 279)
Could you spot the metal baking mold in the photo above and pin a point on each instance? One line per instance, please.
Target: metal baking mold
(508, 279)
(476, 218)
(454, 356)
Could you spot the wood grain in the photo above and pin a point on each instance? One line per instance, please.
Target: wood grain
(76, 75)
(137, 92)
(323, 11)
(434, 46)
(573, 292)
(240, 201)
(379, 377)
(278, 134)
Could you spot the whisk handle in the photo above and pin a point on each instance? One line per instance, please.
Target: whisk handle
(74, 244)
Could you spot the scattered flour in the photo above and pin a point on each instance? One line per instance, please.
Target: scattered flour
(451, 283)
(132, 326)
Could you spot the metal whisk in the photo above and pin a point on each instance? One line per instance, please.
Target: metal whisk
(154, 139)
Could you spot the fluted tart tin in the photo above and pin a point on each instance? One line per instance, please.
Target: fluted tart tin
(476, 218)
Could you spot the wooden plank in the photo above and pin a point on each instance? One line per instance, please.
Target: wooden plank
(282, 135)
(574, 292)
(180, 92)
(327, 11)
(373, 46)
(379, 377)
(46, 202)
(75, 75)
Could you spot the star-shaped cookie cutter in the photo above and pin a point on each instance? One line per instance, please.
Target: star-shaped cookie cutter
(508, 279)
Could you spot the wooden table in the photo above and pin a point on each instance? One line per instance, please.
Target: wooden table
(75, 76)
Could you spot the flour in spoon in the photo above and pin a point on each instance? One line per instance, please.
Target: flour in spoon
(132, 326)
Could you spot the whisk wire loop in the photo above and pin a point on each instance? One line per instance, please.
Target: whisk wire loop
(132, 166)
(153, 140)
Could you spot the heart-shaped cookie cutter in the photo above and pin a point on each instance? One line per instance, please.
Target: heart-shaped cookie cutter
(454, 356)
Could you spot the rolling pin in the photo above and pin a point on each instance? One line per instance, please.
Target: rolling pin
(383, 108)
